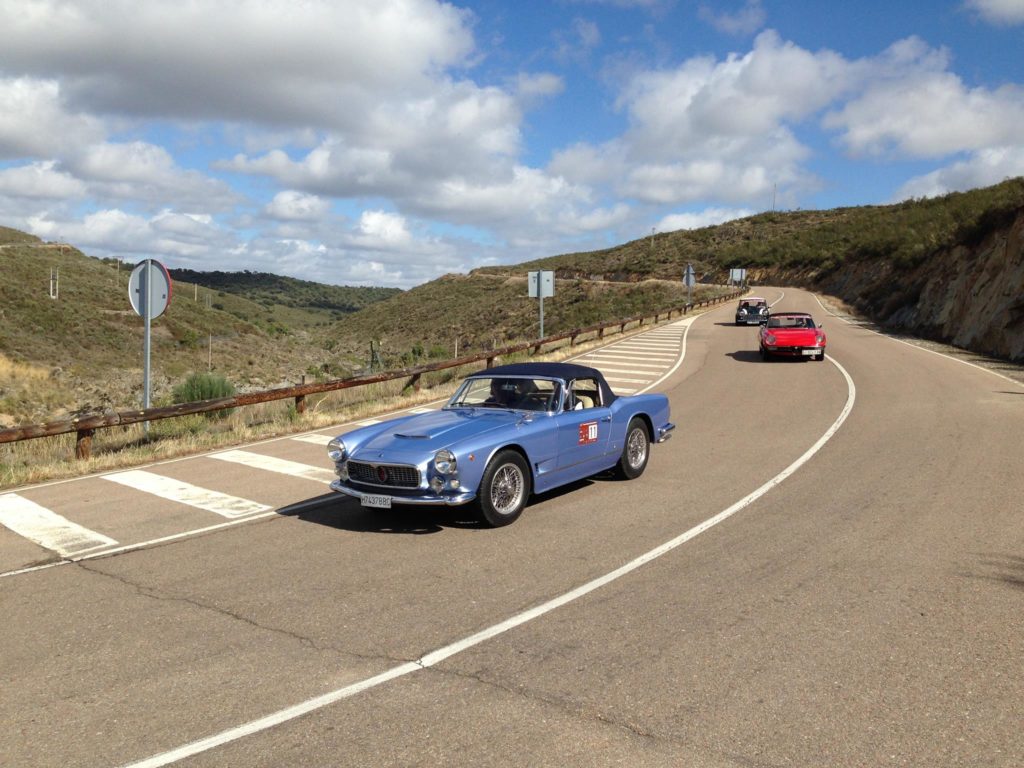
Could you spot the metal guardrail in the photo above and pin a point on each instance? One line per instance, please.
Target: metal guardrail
(85, 425)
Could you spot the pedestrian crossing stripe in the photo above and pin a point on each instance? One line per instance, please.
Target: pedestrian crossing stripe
(186, 493)
(281, 466)
(321, 440)
(48, 529)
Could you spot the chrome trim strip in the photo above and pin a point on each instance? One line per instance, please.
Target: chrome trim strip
(436, 501)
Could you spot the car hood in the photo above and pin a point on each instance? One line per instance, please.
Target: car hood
(429, 432)
(793, 335)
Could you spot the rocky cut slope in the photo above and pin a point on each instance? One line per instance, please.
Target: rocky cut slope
(970, 294)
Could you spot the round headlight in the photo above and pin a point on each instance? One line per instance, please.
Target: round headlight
(444, 462)
(336, 450)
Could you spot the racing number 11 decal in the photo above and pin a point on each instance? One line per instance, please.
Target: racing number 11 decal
(588, 432)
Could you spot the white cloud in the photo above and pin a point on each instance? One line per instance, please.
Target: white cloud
(982, 168)
(530, 88)
(913, 106)
(706, 218)
(746, 21)
(267, 60)
(290, 205)
(35, 122)
(40, 180)
(714, 129)
(383, 228)
(999, 12)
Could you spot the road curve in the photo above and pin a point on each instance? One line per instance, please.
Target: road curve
(864, 611)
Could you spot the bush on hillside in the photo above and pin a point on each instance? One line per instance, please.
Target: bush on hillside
(205, 386)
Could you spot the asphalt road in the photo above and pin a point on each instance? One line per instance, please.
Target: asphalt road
(843, 586)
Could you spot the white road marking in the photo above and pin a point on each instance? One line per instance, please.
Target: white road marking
(609, 365)
(368, 422)
(281, 466)
(634, 355)
(627, 381)
(422, 410)
(656, 346)
(915, 346)
(48, 529)
(623, 352)
(186, 493)
(322, 440)
(435, 657)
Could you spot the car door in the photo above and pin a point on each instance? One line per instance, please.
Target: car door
(584, 430)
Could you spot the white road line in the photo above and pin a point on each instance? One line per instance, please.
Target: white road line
(656, 366)
(48, 529)
(435, 657)
(915, 346)
(627, 381)
(368, 422)
(657, 356)
(186, 493)
(422, 410)
(606, 370)
(656, 347)
(281, 466)
(314, 439)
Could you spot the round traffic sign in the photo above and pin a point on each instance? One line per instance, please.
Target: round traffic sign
(149, 288)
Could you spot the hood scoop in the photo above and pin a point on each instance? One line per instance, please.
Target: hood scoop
(406, 436)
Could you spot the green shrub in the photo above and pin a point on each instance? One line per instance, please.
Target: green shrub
(205, 386)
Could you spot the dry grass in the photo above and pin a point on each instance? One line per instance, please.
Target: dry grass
(44, 459)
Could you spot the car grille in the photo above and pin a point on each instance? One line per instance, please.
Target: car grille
(384, 475)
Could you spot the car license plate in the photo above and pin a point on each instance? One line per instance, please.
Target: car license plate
(811, 351)
(376, 500)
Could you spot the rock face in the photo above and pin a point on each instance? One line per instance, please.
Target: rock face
(970, 295)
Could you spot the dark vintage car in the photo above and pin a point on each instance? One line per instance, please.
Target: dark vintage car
(792, 334)
(753, 310)
(507, 432)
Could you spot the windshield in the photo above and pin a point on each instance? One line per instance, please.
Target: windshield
(786, 321)
(507, 392)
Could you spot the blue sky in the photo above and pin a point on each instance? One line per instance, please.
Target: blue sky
(388, 142)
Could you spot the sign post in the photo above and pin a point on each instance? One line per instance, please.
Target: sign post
(541, 284)
(689, 279)
(149, 291)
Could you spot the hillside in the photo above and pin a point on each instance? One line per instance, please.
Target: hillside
(485, 311)
(277, 291)
(811, 243)
(85, 346)
(948, 268)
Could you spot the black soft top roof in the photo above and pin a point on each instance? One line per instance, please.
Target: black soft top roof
(564, 371)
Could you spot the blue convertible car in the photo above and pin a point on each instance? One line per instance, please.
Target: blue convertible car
(507, 432)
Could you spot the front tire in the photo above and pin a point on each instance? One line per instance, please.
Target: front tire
(820, 356)
(504, 489)
(636, 450)
(765, 354)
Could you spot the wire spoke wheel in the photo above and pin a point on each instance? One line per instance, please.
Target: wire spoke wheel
(507, 489)
(635, 451)
(504, 489)
(636, 448)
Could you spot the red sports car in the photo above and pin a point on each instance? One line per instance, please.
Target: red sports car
(791, 334)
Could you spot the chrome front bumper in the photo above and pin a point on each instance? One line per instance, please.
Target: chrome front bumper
(663, 433)
(430, 499)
